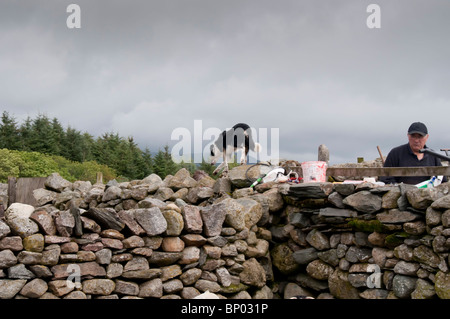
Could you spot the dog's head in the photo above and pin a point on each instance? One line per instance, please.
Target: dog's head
(215, 154)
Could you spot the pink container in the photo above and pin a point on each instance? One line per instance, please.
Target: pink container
(314, 171)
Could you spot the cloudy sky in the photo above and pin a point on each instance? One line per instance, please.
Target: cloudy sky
(311, 69)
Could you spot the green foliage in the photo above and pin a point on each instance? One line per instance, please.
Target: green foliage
(9, 164)
(34, 164)
(115, 155)
(87, 171)
(123, 155)
(77, 146)
(9, 134)
(208, 168)
(396, 238)
(191, 167)
(77, 155)
(163, 163)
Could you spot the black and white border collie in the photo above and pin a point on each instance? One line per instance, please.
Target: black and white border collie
(239, 137)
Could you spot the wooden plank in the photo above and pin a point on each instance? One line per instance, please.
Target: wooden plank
(389, 171)
(382, 171)
(99, 178)
(25, 187)
(12, 181)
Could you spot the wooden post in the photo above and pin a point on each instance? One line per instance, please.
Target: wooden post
(389, 171)
(99, 178)
(11, 190)
(25, 187)
(381, 155)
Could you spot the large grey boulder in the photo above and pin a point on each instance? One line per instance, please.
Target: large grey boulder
(193, 222)
(340, 287)
(238, 178)
(442, 285)
(252, 211)
(151, 220)
(18, 218)
(44, 196)
(4, 229)
(182, 179)
(10, 288)
(153, 181)
(7, 259)
(403, 286)
(105, 217)
(253, 273)
(57, 183)
(364, 201)
(213, 218)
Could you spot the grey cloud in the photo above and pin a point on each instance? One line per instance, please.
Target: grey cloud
(310, 68)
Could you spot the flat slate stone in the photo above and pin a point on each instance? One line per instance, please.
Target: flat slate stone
(395, 216)
(106, 218)
(337, 212)
(307, 190)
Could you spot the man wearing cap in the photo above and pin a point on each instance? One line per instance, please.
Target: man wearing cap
(408, 155)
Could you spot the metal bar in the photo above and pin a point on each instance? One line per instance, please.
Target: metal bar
(433, 153)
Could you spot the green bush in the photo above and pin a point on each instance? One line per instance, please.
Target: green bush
(87, 171)
(47, 136)
(34, 164)
(9, 164)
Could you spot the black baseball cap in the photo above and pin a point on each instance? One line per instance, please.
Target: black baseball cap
(419, 128)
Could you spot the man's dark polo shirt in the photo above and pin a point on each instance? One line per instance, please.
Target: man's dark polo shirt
(403, 156)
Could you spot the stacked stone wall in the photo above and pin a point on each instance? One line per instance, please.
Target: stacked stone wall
(185, 235)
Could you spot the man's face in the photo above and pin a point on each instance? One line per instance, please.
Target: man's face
(417, 141)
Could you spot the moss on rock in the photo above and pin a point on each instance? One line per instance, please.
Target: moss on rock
(368, 226)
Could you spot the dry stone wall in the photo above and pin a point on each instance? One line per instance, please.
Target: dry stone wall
(185, 235)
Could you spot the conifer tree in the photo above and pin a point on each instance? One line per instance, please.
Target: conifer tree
(9, 133)
(160, 165)
(73, 145)
(172, 167)
(48, 136)
(148, 162)
(26, 134)
(57, 136)
(43, 137)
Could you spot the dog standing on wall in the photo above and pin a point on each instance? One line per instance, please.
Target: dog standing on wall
(237, 138)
